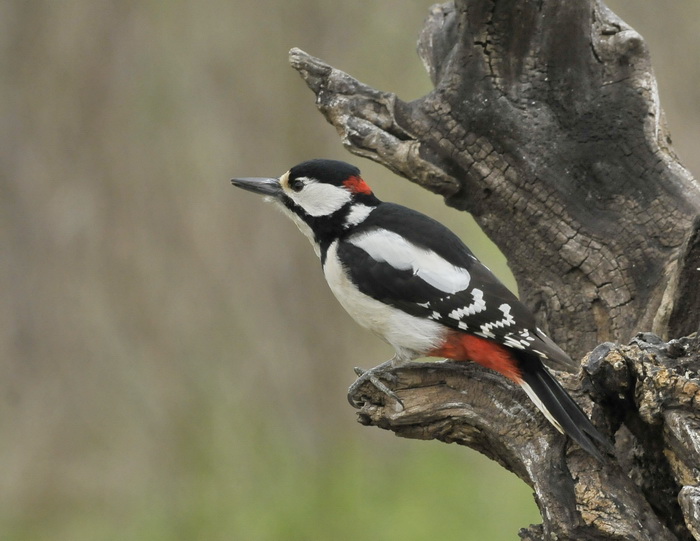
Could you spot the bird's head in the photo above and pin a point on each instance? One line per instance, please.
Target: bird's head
(323, 197)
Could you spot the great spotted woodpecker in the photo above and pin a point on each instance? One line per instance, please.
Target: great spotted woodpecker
(410, 280)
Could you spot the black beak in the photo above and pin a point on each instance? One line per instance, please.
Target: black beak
(263, 186)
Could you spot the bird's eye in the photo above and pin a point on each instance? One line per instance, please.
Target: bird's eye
(296, 184)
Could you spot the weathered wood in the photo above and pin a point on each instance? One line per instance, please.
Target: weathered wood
(645, 393)
(545, 125)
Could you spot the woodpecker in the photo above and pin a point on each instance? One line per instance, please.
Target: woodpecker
(414, 283)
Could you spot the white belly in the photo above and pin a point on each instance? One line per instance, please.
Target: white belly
(410, 336)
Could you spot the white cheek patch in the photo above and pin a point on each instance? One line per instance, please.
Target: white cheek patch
(388, 247)
(320, 199)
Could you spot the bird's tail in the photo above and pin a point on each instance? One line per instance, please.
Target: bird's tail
(559, 408)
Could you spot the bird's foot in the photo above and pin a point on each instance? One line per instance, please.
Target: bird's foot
(373, 375)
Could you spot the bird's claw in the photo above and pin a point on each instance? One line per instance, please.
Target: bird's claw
(372, 375)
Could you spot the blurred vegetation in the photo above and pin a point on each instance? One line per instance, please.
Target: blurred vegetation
(171, 364)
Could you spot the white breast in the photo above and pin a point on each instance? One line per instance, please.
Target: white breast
(410, 336)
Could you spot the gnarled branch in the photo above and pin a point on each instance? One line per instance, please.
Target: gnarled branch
(645, 393)
(545, 125)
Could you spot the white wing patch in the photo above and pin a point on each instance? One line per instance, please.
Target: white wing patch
(520, 340)
(388, 247)
(479, 305)
(505, 322)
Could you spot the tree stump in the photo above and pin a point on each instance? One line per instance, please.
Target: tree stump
(545, 125)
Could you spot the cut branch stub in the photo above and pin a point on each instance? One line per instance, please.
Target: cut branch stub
(545, 125)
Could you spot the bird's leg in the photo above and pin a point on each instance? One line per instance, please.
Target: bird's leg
(372, 375)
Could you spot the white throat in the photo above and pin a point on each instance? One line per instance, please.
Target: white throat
(302, 225)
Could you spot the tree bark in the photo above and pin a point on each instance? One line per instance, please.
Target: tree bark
(646, 394)
(545, 125)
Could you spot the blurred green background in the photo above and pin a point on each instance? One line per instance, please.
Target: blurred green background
(172, 365)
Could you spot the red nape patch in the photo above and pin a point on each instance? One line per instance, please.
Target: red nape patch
(357, 185)
(466, 347)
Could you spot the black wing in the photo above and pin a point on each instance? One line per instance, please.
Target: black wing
(484, 307)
